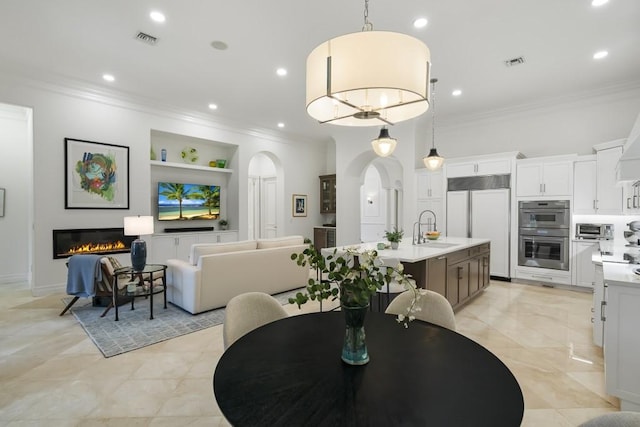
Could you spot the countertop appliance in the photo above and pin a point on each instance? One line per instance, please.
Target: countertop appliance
(633, 234)
(594, 231)
(543, 239)
(479, 207)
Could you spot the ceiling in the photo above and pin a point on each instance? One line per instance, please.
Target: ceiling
(77, 41)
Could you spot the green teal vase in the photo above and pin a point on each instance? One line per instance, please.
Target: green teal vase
(354, 350)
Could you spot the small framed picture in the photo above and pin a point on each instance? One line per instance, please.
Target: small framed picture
(1, 201)
(299, 205)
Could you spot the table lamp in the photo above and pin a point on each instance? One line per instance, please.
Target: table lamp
(138, 226)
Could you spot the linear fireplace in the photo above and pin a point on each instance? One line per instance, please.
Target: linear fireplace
(90, 241)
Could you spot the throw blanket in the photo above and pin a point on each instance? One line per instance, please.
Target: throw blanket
(84, 271)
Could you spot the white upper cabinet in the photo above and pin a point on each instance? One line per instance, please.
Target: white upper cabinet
(479, 168)
(429, 185)
(595, 187)
(544, 177)
(609, 200)
(584, 186)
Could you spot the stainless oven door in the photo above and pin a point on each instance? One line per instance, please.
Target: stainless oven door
(544, 251)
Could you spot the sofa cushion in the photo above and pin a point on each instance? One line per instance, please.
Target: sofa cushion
(280, 242)
(200, 249)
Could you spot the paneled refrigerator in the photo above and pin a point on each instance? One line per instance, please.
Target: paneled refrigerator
(480, 207)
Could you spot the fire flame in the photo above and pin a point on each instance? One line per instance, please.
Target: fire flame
(89, 248)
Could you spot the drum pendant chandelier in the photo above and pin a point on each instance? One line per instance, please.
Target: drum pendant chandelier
(370, 78)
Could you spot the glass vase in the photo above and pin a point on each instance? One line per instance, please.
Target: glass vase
(354, 350)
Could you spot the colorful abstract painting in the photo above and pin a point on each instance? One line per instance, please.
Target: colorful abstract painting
(97, 175)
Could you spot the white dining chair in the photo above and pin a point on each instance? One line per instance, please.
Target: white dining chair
(247, 312)
(433, 308)
(615, 419)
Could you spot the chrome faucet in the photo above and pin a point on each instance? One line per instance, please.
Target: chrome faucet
(419, 237)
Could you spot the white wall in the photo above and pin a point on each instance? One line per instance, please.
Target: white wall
(373, 207)
(61, 112)
(563, 128)
(15, 178)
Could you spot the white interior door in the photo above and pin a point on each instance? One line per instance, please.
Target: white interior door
(490, 220)
(458, 213)
(269, 211)
(253, 226)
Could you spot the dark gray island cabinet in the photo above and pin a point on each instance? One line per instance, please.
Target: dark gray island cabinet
(459, 275)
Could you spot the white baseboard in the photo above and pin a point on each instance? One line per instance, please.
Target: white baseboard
(14, 278)
(55, 288)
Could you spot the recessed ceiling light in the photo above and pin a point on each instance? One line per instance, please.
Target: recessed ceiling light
(280, 125)
(281, 72)
(219, 45)
(157, 16)
(600, 55)
(420, 23)
(108, 77)
(213, 107)
(596, 3)
(456, 92)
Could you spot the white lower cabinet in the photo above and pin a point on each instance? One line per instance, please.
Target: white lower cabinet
(544, 275)
(178, 245)
(599, 301)
(583, 267)
(622, 344)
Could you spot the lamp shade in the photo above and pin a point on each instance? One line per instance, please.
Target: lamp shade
(384, 145)
(433, 161)
(138, 225)
(370, 78)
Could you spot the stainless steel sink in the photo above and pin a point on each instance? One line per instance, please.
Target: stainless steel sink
(439, 245)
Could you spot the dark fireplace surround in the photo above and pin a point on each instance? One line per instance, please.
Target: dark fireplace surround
(100, 241)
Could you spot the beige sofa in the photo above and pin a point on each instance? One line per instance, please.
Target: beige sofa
(217, 272)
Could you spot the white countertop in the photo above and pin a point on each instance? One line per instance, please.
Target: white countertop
(614, 256)
(621, 274)
(407, 252)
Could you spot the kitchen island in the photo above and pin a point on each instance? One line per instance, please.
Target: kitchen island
(455, 267)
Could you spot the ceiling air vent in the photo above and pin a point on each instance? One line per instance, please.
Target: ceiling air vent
(146, 38)
(514, 61)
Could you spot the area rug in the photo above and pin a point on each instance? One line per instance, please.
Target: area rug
(135, 330)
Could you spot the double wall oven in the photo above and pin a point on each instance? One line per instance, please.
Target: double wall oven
(543, 239)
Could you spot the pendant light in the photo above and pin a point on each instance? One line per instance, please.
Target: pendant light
(356, 79)
(384, 145)
(433, 161)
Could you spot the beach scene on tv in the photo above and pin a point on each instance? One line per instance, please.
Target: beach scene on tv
(188, 201)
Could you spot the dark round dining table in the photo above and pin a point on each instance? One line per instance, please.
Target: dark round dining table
(289, 373)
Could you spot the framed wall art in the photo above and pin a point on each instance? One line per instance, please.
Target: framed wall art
(299, 205)
(1, 202)
(96, 175)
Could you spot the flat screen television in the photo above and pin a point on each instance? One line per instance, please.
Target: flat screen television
(187, 202)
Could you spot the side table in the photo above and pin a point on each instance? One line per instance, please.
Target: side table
(150, 273)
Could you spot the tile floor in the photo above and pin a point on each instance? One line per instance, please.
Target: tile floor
(52, 374)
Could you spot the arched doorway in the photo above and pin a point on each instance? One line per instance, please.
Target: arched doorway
(387, 174)
(265, 196)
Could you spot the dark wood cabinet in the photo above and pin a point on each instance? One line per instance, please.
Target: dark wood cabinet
(324, 237)
(458, 275)
(328, 194)
(485, 269)
(437, 274)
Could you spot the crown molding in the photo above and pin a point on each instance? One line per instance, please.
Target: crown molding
(628, 89)
(83, 90)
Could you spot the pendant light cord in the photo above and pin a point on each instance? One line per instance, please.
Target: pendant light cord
(433, 112)
(368, 26)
